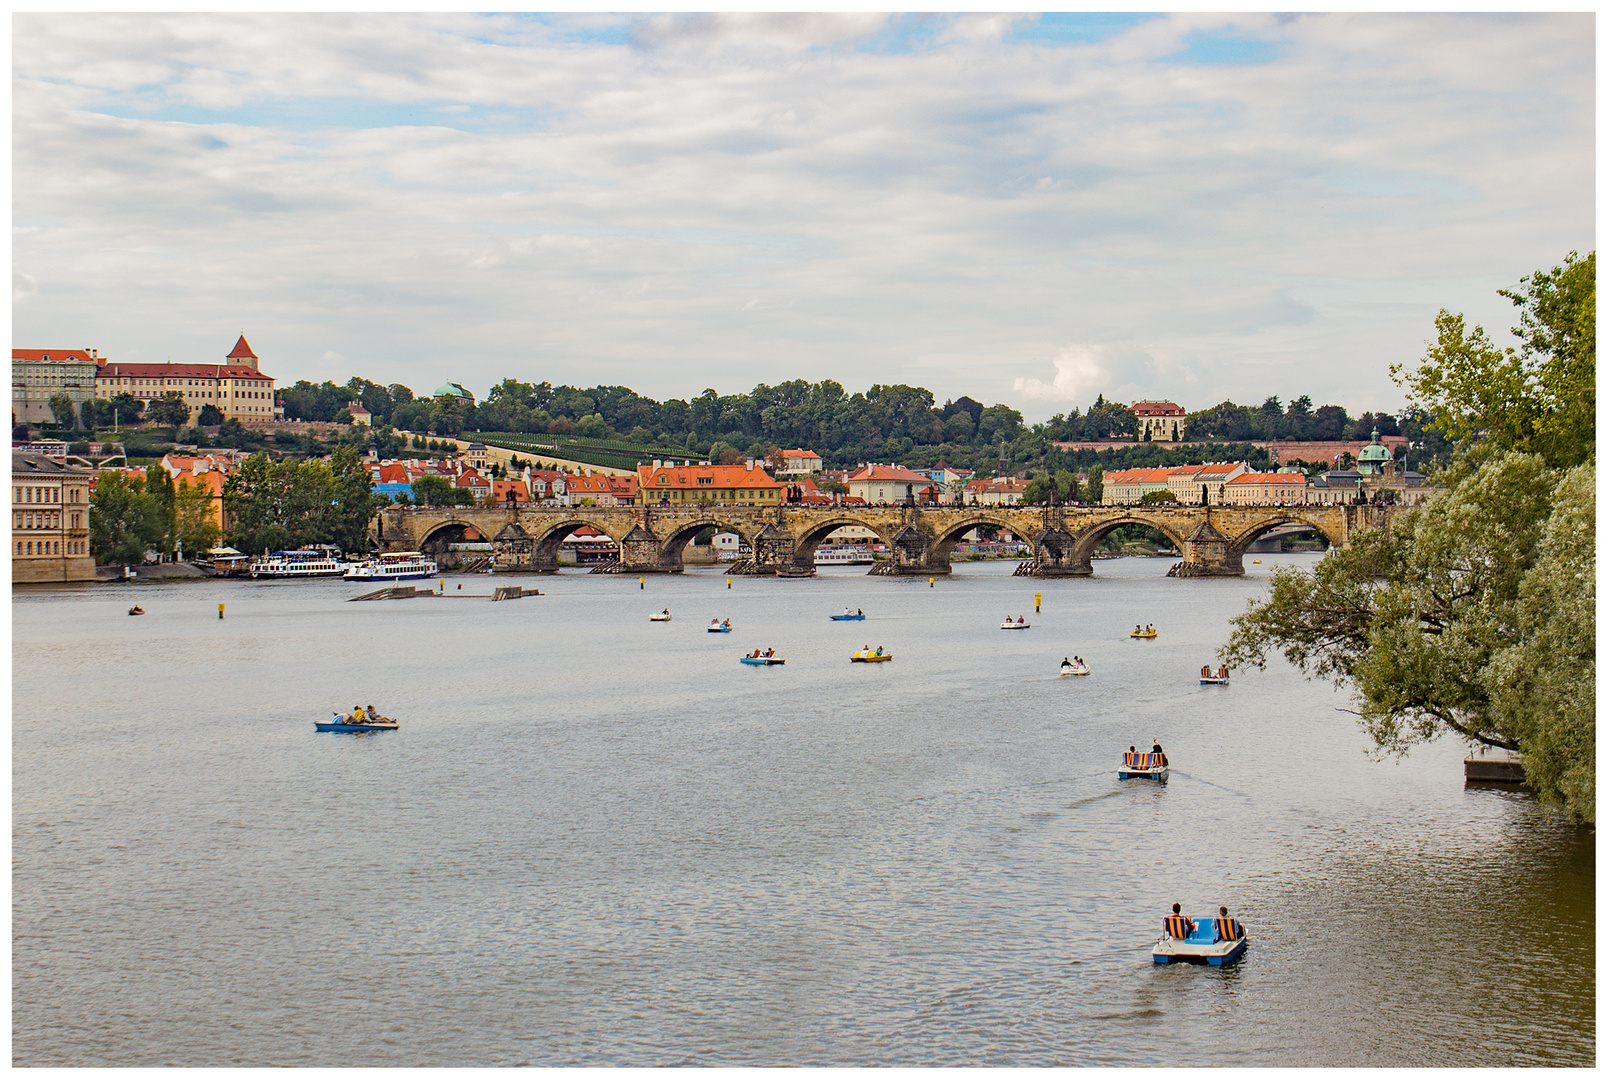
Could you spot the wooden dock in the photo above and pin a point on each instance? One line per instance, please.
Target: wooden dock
(408, 592)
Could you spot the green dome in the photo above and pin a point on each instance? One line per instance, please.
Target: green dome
(452, 389)
(1374, 456)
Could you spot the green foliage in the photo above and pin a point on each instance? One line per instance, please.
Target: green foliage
(124, 520)
(1155, 498)
(1096, 481)
(1539, 397)
(289, 504)
(169, 410)
(439, 491)
(1038, 490)
(1475, 613)
(61, 407)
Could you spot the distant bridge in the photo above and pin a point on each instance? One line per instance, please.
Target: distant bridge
(1212, 540)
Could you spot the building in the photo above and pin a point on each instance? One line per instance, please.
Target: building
(1186, 481)
(49, 521)
(359, 414)
(1252, 488)
(474, 483)
(1128, 486)
(1375, 459)
(477, 455)
(454, 390)
(37, 375)
(210, 472)
(1002, 491)
(236, 388)
(662, 483)
(1158, 421)
(800, 461)
(1327, 453)
(887, 484)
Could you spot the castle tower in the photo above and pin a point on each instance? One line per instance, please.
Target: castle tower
(242, 356)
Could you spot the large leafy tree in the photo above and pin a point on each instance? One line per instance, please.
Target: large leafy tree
(295, 503)
(125, 521)
(1475, 612)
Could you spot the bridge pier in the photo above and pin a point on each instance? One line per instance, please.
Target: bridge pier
(1055, 554)
(1210, 554)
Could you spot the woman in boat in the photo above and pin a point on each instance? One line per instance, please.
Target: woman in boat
(1155, 748)
(1136, 629)
(1222, 671)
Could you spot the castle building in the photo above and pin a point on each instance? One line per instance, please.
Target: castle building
(1158, 421)
(236, 387)
(37, 375)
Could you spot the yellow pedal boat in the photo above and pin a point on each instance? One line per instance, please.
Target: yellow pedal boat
(1143, 634)
(870, 656)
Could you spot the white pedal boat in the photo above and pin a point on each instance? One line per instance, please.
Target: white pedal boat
(1069, 670)
(1143, 766)
(659, 616)
(1215, 941)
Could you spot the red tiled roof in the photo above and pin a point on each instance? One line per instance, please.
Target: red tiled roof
(178, 371)
(720, 476)
(1268, 478)
(800, 453)
(242, 350)
(53, 355)
(895, 473)
(1142, 476)
(1156, 408)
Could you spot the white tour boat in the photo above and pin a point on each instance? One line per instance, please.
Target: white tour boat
(393, 566)
(842, 555)
(296, 564)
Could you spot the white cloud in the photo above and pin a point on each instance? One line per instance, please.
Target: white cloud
(23, 287)
(434, 197)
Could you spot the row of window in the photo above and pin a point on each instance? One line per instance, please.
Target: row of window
(51, 547)
(20, 520)
(44, 495)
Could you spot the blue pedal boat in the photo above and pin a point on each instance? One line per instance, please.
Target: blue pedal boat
(856, 617)
(1214, 941)
(718, 627)
(340, 724)
(1143, 766)
(762, 661)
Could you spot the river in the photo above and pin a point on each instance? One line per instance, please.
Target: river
(597, 840)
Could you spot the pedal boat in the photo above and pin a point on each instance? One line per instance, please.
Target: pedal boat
(1214, 680)
(340, 723)
(1069, 670)
(1215, 941)
(659, 616)
(1142, 766)
(1146, 634)
(858, 616)
(1008, 625)
(762, 661)
(867, 656)
(719, 628)
(136, 610)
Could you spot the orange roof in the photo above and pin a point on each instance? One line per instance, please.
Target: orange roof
(501, 488)
(716, 476)
(800, 453)
(596, 484)
(242, 350)
(52, 355)
(1142, 476)
(895, 473)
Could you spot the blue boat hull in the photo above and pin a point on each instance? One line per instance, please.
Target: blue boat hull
(720, 629)
(761, 661)
(353, 727)
(1215, 961)
(848, 618)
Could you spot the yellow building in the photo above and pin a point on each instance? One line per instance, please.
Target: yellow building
(49, 521)
(235, 387)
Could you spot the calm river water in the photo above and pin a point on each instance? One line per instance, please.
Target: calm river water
(599, 840)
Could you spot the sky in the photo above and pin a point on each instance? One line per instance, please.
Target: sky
(1027, 209)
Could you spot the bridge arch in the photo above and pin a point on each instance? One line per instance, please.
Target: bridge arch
(806, 542)
(1276, 518)
(448, 530)
(943, 545)
(546, 536)
(1086, 541)
(674, 543)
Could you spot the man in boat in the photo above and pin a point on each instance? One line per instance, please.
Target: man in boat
(1188, 924)
(1066, 661)
(1136, 628)
(1155, 748)
(1222, 671)
(1229, 929)
(1205, 671)
(374, 716)
(666, 611)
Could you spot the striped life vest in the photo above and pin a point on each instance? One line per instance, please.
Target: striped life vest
(1176, 926)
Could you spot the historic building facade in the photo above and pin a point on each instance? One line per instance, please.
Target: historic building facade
(236, 387)
(49, 521)
(37, 375)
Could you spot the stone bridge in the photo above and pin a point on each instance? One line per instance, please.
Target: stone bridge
(1212, 540)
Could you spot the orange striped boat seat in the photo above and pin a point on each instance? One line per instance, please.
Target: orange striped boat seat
(1176, 926)
(1141, 761)
(1229, 929)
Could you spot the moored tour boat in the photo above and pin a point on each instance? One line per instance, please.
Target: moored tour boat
(842, 555)
(1215, 941)
(393, 566)
(296, 564)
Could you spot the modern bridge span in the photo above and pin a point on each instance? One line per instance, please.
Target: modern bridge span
(920, 539)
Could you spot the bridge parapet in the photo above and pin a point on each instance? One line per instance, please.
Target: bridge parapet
(920, 540)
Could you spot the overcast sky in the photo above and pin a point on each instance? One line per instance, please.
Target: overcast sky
(1025, 210)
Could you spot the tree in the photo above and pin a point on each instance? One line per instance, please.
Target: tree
(298, 503)
(1153, 498)
(434, 491)
(209, 416)
(169, 410)
(61, 407)
(1539, 397)
(1095, 478)
(194, 526)
(124, 521)
(1475, 612)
